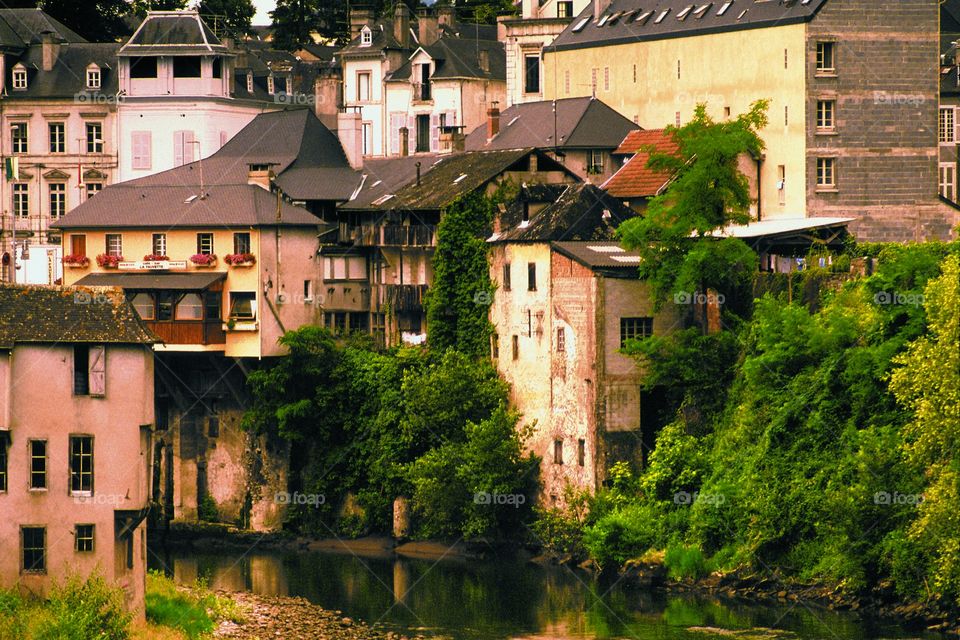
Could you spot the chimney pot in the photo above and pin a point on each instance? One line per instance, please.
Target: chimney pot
(401, 25)
(350, 132)
(50, 49)
(493, 120)
(426, 26)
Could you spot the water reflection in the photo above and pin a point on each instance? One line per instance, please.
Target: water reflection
(505, 599)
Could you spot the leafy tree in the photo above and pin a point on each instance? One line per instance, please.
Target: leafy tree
(459, 299)
(140, 7)
(294, 21)
(95, 20)
(235, 16)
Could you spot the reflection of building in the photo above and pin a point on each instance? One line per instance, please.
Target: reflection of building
(74, 449)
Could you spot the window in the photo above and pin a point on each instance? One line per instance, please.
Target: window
(205, 243)
(345, 268)
(190, 307)
(3, 464)
(165, 304)
(83, 538)
(595, 162)
(270, 84)
(825, 111)
(515, 345)
(114, 244)
(631, 328)
(33, 544)
(947, 129)
(93, 188)
(249, 82)
(243, 305)
(558, 452)
(58, 137)
(581, 452)
(81, 465)
(561, 339)
(78, 244)
(21, 200)
(506, 276)
(186, 67)
(593, 80)
(786, 115)
(183, 142)
(366, 37)
(142, 154)
(948, 181)
(825, 57)
(281, 84)
(94, 137)
(495, 346)
(241, 242)
(211, 305)
(565, 9)
(58, 199)
(531, 73)
(531, 276)
(143, 303)
(89, 370)
(19, 137)
(143, 67)
(158, 245)
(366, 132)
(37, 450)
(93, 77)
(826, 172)
(19, 77)
(363, 86)
(566, 82)
(308, 290)
(217, 68)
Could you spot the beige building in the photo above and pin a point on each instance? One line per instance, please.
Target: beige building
(74, 450)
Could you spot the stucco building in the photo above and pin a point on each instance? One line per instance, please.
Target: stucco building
(74, 450)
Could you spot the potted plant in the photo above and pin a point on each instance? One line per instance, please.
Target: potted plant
(108, 261)
(240, 259)
(155, 257)
(204, 259)
(76, 261)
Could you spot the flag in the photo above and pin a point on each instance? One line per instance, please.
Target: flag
(13, 168)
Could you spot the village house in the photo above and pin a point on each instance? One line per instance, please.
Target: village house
(411, 78)
(75, 450)
(580, 133)
(841, 76)
(634, 183)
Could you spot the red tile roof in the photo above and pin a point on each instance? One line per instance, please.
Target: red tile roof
(634, 179)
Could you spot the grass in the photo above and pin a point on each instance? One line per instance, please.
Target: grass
(193, 611)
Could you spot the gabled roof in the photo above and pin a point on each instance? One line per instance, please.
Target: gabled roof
(460, 58)
(35, 314)
(172, 33)
(580, 212)
(68, 77)
(382, 39)
(22, 27)
(383, 177)
(580, 123)
(626, 21)
(606, 257)
(634, 179)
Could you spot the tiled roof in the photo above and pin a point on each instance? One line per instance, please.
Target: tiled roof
(172, 32)
(382, 177)
(580, 123)
(634, 179)
(626, 21)
(601, 256)
(68, 315)
(460, 58)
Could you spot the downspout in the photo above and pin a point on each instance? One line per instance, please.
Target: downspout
(276, 237)
(759, 187)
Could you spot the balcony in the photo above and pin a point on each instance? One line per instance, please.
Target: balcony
(388, 235)
(422, 92)
(203, 332)
(401, 297)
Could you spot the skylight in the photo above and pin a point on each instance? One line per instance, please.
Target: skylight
(603, 20)
(601, 248)
(702, 10)
(462, 176)
(513, 120)
(379, 201)
(662, 15)
(580, 25)
(723, 9)
(742, 13)
(631, 259)
(642, 19)
(683, 12)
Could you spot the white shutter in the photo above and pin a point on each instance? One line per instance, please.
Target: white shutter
(97, 370)
(178, 148)
(141, 149)
(189, 149)
(411, 134)
(396, 121)
(434, 132)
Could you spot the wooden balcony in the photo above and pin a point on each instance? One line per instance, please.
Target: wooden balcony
(388, 235)
(401, 297)
(197, 332)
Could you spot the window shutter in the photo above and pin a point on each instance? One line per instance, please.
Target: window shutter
(189, 150)
(411, 134)
(434, 132)
(396, 121)
(97, 371)
(147, 144)
(178, 148)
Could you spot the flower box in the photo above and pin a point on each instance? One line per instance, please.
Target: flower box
(204, 260)
(76, 262)
(240, 259)
(153, 257)
(107, 261)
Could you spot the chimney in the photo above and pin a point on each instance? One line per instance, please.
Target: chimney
(401, 25)
(598, 8)
(260, 175)
(404, 141)
(326, 93)
(228, 42)
(359, 16)
(350, 132)
(50, 43)
(483, 60)
(493, 120)
(426, 27)
(447, 17)
(502, 28)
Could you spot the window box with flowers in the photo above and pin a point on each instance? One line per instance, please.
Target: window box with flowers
(155, 257)
(108, 261)
(240, 259)
(204, 260)
(76, 261)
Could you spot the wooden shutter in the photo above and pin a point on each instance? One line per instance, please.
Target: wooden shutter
(434, 132)
(178, 148)
(396, 121)
(78, 244)
(411, 134)
(98, 380)
(142, 152)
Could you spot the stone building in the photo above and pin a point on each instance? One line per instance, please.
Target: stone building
(74, 450)
(844, 79)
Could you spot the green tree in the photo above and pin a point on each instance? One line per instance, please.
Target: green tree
(232, 16)
(294, 21)
(459, 299)
(95, 20)
(140, 7)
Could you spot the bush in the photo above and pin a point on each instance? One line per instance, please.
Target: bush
(13, 616)
(83, 609)
(624, 534)
(685, 562)
(178, 608)
(207, 510)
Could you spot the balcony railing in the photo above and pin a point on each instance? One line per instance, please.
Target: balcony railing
(389, 235)
(188, 331)
(422, 92)
(401, 297)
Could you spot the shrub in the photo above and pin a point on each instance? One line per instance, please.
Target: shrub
(13, 616)
(685, 562)
(207, 510)
(175, 607)
(83, 609)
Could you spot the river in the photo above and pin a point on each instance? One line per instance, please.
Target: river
(508, 599)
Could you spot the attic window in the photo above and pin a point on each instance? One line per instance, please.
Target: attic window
(642, 18)
(93, 77)
(19, 77)
(270, 87)
(702, 10)
(379, 201)
(662, 15)
(723, 9)
(603, 20)
(249, 82)
(580, 25)
(462, 176)
(366, 37)
(742, 13)
(684, 12)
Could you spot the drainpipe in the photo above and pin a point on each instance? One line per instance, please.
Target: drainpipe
(759, 189)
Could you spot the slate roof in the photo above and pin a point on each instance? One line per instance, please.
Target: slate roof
(68, 78)
(605, 256)
(382, 38)
(626, 21)
(580, 212)
(172, 33)
(634, 179)
(384, 176)
(581, 123)
(460, 58)
(68, 315)
(949, 24)
(22, 27)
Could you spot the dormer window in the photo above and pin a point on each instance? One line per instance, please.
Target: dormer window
(93, 77)
(366, 37)
(270, 86)
(249, 82)
(19, 77)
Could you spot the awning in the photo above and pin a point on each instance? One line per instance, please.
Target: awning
(789, 236)
(781, 226)
(177, 281)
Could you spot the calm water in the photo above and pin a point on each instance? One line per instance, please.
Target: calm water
(490, 600)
